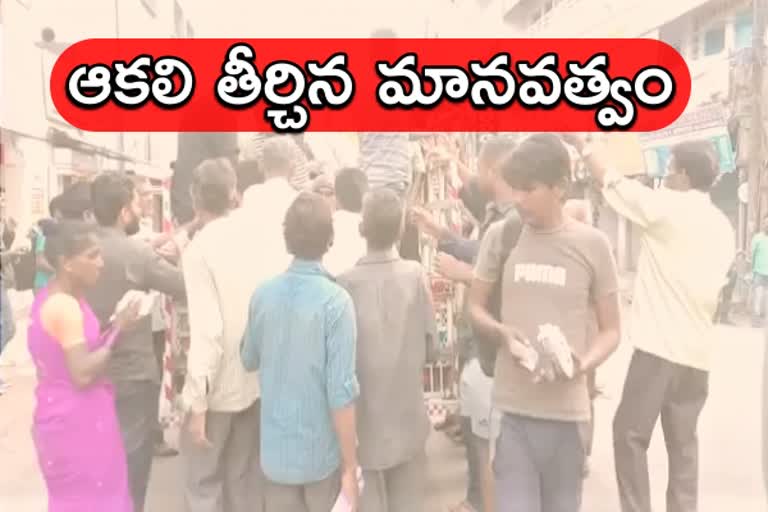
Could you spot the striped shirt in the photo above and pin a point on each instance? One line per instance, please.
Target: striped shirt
(386, 159)
(301, 337)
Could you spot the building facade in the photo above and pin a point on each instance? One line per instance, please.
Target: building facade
(41, 152)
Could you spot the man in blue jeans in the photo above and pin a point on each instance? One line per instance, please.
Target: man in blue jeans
(559, 269)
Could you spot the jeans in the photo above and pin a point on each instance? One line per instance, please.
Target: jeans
(137, 413)
(477, 458)
(538, 465)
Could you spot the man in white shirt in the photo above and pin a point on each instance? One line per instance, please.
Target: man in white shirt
(349, 245)
(223, 265)
(688, 245)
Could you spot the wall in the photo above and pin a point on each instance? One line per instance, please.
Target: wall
(597, 18)
(31, 166)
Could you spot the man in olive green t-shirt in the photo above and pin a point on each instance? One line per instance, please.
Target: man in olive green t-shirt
(557, 272)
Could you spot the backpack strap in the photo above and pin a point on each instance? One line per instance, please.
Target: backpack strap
(510, 234)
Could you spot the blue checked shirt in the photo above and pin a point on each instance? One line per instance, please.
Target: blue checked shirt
(301, 337)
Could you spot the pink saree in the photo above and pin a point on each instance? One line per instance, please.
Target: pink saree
(75, 431)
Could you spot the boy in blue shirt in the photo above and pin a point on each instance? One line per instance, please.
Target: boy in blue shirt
(300, 337)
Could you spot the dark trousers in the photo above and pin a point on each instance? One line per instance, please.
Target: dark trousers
(158, 344)
(724, 301)
(538, 465)
(477, 450)
(137, 413)
(655, 387)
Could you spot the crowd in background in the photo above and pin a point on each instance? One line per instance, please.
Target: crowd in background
(312, 318)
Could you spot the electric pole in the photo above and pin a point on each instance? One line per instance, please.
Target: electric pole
(758, 177)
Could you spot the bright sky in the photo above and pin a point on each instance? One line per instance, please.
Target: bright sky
(343, 18)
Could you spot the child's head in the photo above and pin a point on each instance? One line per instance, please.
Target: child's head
(351, 185)
(308, 227)
(382, 219)
(538, 173)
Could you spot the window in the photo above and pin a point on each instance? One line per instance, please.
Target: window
(742, 30)
(714, 41)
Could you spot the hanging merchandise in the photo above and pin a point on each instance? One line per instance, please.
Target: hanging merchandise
(439, 193)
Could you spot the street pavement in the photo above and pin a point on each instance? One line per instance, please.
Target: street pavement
(730, 439)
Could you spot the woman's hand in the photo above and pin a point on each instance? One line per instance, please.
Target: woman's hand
(128, 316)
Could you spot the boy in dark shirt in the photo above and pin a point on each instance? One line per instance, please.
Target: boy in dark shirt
(396, 323)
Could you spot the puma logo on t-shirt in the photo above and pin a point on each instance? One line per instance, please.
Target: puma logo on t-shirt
(540, 274)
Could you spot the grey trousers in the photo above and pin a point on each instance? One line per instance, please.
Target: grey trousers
(538, 465)
(226, 477)
(137, 413)
(313, 497)
(655, 387)
(398, 489)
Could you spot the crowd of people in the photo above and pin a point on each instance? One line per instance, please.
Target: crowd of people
(311, 321)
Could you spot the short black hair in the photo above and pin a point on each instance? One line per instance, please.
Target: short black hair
(110, 193)
(351, 185)
(248, 174)
(54, 206)
(75, 201)
(699, 161)
(68, 238)
(542, 159)
(496, 147)
(382, 218)
(213, 183)
(308, 226)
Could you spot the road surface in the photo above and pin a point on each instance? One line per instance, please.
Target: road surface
(730, 438)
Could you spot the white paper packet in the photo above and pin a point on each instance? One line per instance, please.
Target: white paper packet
(342, 504)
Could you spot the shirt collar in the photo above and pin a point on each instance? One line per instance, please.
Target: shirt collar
(380, 256)
(309, 267)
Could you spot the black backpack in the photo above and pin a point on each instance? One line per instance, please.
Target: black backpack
(487, 349)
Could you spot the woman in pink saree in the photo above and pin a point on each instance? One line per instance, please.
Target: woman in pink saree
(75, 427)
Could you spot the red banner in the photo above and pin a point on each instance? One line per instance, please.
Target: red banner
(415, 85)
